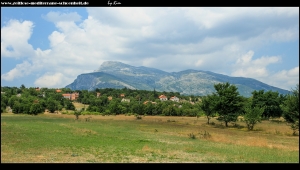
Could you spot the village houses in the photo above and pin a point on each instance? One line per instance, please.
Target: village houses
(125, 100)
(71, 96)
(175, 99)
(163, 97)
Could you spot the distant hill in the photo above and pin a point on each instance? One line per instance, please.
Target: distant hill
(112, 74)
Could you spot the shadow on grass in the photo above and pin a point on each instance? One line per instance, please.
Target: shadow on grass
(222, 126)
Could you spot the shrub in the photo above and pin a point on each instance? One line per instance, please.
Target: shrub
(252, 116)
(205, 135)
(138, 116)
(192, 136)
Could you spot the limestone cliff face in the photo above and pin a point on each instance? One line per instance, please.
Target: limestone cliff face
(113, 74)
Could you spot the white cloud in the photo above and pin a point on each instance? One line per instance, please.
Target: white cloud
(125, 17)
(51, 80)
(171, 39)
(62, 17)
(56, 38)
(285, 79)
(19, 71)
(246, 67)
(14, 39)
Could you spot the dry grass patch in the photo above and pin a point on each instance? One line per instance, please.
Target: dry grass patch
(147, 149)
(79, 131)
(80, 105)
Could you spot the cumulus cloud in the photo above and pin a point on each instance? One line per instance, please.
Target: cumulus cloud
(50, 80)
(57, 17)
(171, 39)
(285, 79)
(122, 17)
(246, 67)
(20, 70)
(14, 39)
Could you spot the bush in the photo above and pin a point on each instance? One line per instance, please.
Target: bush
(205, 135)
(138, 116)
(192, 136)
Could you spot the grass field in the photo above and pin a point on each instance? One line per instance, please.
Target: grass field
(124, 139)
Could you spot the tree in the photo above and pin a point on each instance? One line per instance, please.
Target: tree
(77, 113)
(269, 100)
(52, 105)
(228, 103)
(17, 108)
(207, 105)
(252, 116)
(148, 108)
(22, 87)
(69, 105)
(36, 108)
(290, 109)
(4, 101)
(3, 107)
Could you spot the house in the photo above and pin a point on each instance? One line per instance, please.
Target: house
(122, 95)
(19, 95)
(58, 90)
(42, 95)
(163, 97)
(148, 101)
(37, 89)
(67, 96)
(98, 94)
(75, 96)
(175, 99)
(125, 100)
(71, 96)
(109, 97)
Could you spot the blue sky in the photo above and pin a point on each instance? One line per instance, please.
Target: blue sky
(50, 47)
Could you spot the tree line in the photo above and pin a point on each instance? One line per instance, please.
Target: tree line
(225, 103)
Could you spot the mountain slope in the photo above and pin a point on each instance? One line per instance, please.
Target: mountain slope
(113, 74)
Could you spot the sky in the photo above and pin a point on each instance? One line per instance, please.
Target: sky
(51, 46)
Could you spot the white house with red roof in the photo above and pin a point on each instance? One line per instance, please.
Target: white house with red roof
(175, 99)
(163, 97)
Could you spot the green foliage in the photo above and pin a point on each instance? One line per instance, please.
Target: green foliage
(208, 106)
(252, 116)
(52, 105)
(228, 102)
(224, 101)
(4, 101)
(77, 113)
(69, 105)
(17, 108)
(290, 109)
(3, 107)
(270, 100)
(36, 108)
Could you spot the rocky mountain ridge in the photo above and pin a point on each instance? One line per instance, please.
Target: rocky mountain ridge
(112, 74)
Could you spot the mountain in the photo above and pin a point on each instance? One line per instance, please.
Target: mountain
(112, 74)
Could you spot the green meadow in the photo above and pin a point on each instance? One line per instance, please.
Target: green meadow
(58, 138)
